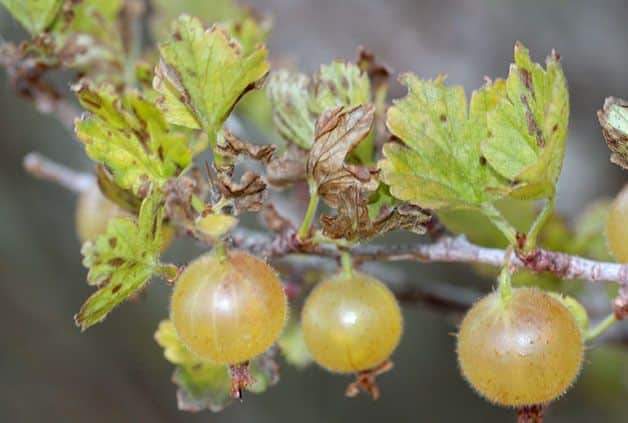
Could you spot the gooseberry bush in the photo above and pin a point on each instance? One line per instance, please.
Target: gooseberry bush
(193, 129)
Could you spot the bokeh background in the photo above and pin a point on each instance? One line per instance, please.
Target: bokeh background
(115, 372)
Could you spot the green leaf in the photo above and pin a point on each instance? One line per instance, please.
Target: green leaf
(529, 126)
(34, 15)
(614, 120)
(203, 384)
(202, 74)
(438, 164)
(122, 260)
(129, 135)
(298, 101)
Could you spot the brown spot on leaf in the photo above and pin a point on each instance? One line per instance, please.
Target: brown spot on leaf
(116, 288)
(116, 262)
(113, 242)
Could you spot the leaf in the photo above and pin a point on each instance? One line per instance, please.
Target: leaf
(352, 221)
(202, 74)
(529, 126)
(203, 384)
(34, 15)
(122, 260)
(337, 133)
(88, 37)
(438, 162)
(298, 101)
(246, 195)
(614, 120)
(130, 137)
(231, 147)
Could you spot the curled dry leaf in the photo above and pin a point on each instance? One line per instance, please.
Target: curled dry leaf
(247, 195)
(287, 169)
(614, 120)
(231, 147)
(352, 219)
(336, 134)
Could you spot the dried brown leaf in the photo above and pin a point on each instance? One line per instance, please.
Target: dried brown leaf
(336, 134)
(614, 120)
(231, 147)
(352, 219)
(247, 195)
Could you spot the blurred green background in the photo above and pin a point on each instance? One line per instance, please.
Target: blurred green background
(116, 372)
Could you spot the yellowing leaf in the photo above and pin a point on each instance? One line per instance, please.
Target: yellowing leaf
(122, 260)
(614, 120)
(529, 126)
(129, 135)
(202, 74)
(34, 15)
(438, 163)
(298, 101)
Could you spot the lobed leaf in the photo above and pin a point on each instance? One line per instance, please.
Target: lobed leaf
(122, 260)
(130, 136)
(34, 15)
(438, 163)
(614, 120)
(529, 126)
(202, 74)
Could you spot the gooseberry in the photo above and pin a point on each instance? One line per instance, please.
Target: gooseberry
(351, 323)
(522, 349)
(228, 308)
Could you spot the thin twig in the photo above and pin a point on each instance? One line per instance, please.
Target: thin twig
(447, 249)
(44, 168)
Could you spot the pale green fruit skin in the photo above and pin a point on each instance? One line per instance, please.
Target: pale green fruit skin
(228, 310)
(617, 227)
(525, 351)
(352, 323)
(93, 213)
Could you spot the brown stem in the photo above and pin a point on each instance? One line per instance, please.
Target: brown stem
(446, 249)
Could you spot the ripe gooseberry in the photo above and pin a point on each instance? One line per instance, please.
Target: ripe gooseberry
(617, 227)
(228, 308)
(521, 350)
(351, 323)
